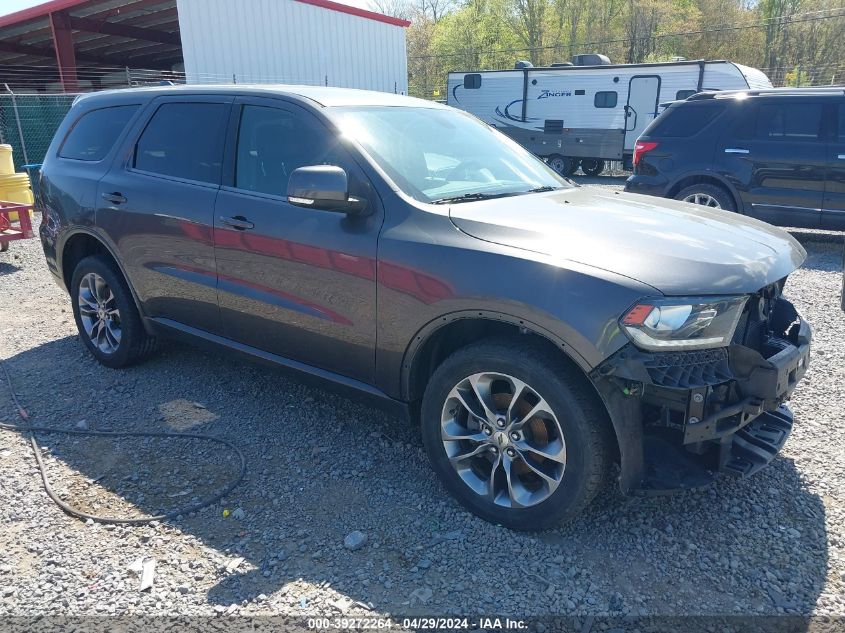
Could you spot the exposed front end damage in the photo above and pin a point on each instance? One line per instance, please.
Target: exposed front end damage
(683, 417)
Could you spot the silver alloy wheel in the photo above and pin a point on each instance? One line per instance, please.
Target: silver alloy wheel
(98, 313)
(503, 440)
(704, 200)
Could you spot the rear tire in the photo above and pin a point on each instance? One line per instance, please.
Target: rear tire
(4, 246)
(592, 166)
(105, 314)
(708, 195)
(570, 443)
(564, 165)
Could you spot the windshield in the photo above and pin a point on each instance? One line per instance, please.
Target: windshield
(437, 155)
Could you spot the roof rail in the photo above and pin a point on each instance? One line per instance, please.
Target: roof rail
(727, 94)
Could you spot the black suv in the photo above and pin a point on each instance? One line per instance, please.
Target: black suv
(538, 330)
(777, 155)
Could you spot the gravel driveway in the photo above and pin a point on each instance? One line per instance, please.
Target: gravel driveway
(321, 466)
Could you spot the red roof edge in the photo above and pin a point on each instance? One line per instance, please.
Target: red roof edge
(45, 9)
(361, 13)
(38, 11)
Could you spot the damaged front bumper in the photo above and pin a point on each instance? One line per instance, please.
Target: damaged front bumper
(682, 418)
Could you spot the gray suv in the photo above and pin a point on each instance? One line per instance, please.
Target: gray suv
(541, 332)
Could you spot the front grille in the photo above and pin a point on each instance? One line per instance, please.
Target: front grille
(689, 370)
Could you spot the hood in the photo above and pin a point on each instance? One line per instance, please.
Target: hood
(675, 247)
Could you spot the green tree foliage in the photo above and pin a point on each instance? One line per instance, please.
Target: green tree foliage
(796, 42)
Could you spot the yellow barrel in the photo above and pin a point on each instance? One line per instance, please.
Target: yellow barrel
(7, 165)
(15, 188)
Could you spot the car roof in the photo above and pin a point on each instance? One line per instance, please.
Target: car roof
(319, 95)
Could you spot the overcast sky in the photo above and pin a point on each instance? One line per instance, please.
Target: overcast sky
(10, 6)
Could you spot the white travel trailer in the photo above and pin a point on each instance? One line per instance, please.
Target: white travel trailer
(586, 114)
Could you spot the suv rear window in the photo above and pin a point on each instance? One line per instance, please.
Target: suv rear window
(95, 133)
(184, 140)
(684, 120)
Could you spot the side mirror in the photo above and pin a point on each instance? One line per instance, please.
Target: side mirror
(323, 187)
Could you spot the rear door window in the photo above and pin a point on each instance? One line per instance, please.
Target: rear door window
(684, 120)
(96, 132)
(184, 140)
(789, 122)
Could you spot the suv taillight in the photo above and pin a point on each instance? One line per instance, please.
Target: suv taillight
(642, 147)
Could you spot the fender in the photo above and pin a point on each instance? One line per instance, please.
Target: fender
(111, 250)
(430, 328)
(722, 179)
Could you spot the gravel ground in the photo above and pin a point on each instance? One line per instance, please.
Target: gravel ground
(321, 467)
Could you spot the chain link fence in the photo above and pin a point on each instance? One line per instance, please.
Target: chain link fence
(29, 121)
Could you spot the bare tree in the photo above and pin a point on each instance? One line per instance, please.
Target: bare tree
(402, 9)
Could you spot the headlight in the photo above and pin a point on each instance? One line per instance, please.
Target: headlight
(681, 323)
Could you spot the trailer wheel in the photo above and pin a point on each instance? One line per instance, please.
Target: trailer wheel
(592, 166)
(564, 165)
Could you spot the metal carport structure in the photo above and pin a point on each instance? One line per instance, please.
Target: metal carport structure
(75, 42)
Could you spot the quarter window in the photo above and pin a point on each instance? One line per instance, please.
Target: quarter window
(184, 140)
(789, 121)
(96, 132)
(606, 99)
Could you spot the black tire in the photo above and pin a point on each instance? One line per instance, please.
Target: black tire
(592, 166)
(715, 193)
(134, 344)
(4, 246)
(583, 421)
(564, 165)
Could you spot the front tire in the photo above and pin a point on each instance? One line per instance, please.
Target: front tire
(515, 435)
(105, 314)
(707, 195)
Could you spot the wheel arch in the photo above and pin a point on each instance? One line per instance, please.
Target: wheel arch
(83, 243)
(449, 332)
(705, 178)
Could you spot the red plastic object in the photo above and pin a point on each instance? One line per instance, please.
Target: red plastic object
(20, 229)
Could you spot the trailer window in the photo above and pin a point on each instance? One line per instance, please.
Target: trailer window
(606, 99)
(473, 81)
(94, 134)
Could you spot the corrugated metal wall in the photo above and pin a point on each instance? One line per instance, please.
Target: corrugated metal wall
(284, 41)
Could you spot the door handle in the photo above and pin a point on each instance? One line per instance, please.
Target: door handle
(114, 198)
(736, 150)
(841, 157)
(238, 222)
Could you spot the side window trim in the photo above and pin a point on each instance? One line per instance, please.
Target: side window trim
(147, 114)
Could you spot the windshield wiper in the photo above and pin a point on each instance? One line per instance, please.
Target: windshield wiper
(469, 197)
